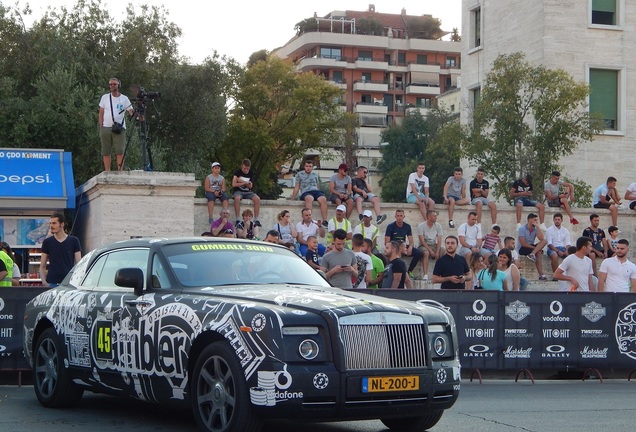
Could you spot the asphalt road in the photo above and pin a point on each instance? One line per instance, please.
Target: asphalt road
(495, 406)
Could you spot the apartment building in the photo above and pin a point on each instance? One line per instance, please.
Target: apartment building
(593, 40)
(384, 73)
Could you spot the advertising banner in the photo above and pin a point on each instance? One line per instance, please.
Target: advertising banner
(33, 178)
(537, 330)
(12, 305)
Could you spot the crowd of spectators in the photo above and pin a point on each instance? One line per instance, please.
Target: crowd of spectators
(494, 264)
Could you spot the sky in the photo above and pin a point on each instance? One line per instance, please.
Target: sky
(209, 25)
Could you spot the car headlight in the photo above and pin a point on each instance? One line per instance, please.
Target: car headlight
(439, 346)
(308, 349)
(440, 341)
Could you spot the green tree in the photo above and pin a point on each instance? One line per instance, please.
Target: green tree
(433, 139)
(455, 37)
(527, 118)
(424, 27)
(53, 73)
(369, 26)
(278, 115)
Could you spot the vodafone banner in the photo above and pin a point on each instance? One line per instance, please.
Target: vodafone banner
(538, 330)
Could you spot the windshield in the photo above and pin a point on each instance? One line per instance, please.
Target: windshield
(209, 264)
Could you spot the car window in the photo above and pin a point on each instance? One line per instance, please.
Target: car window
(92, 277)
(136, 258)
(160, 277)
(210, 264)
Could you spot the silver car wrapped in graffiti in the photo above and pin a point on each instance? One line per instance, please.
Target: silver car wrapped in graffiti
(239, 332)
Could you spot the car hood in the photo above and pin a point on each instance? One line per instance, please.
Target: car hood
(324, 299)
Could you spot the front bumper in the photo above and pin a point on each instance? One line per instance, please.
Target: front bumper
(323, 393)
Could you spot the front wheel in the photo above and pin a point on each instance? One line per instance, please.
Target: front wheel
(413, 424)
(52, 382)
(219, 393)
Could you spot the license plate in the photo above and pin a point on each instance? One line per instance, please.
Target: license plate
(390, 384)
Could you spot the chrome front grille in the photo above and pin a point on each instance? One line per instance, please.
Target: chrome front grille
(383, 346)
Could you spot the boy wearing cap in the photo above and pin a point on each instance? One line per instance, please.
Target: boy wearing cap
(367, 229)
(362, 192)
(340, 188)
(340, 222)
(215, 190)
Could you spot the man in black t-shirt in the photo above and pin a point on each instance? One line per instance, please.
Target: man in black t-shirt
(521, 193)
(395, 271)
(451, 270)
(362, 192)
(401, 231)
(479, 189)
(243, 184)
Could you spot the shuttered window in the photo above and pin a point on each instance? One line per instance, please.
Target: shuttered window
(604, 96)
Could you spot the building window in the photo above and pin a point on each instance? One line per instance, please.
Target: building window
(451, 62)
(475, 31)
(366, 98)
(604, 12)
(423, 102)
(421, 59)
(402, 58)
(475, 95)
(331, 53)
(604, 84)
(337, 76)
(365, 55)
(366, 76)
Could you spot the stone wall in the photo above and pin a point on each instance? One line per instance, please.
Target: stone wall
(116, 206)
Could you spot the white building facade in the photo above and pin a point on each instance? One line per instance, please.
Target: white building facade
(593, 40)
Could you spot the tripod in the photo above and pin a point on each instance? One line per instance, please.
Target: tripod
(146, 154)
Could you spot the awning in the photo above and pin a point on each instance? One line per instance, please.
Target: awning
(36, 179)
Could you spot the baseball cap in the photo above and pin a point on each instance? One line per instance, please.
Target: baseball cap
(341, 208)
(343, 167)
(367, 213)
(215, 164)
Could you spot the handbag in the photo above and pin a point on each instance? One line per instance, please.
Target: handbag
(480, 277)
(116, 128)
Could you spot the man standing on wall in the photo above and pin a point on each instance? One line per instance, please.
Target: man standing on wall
(112, 107)
(61, 251)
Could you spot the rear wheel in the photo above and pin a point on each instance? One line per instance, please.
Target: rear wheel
(219, 393)
(413, 424)
(52, 381)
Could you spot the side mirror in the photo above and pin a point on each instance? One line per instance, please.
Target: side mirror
(130, 278)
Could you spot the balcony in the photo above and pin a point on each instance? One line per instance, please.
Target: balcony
(430, 67)
(374, 64)
(309, 63)
(370, 86)
(422, 89)
(341, 84)
(421, 109)
(371, 108)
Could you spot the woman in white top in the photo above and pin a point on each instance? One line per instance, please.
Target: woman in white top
(506, 265)
(286, 230)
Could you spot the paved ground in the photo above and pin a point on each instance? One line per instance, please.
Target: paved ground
(495, 406)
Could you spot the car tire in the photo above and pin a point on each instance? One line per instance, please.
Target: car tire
(413, 424)
(51, 380)
(219, 393)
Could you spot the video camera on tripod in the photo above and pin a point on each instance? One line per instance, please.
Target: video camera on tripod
(142, 96)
